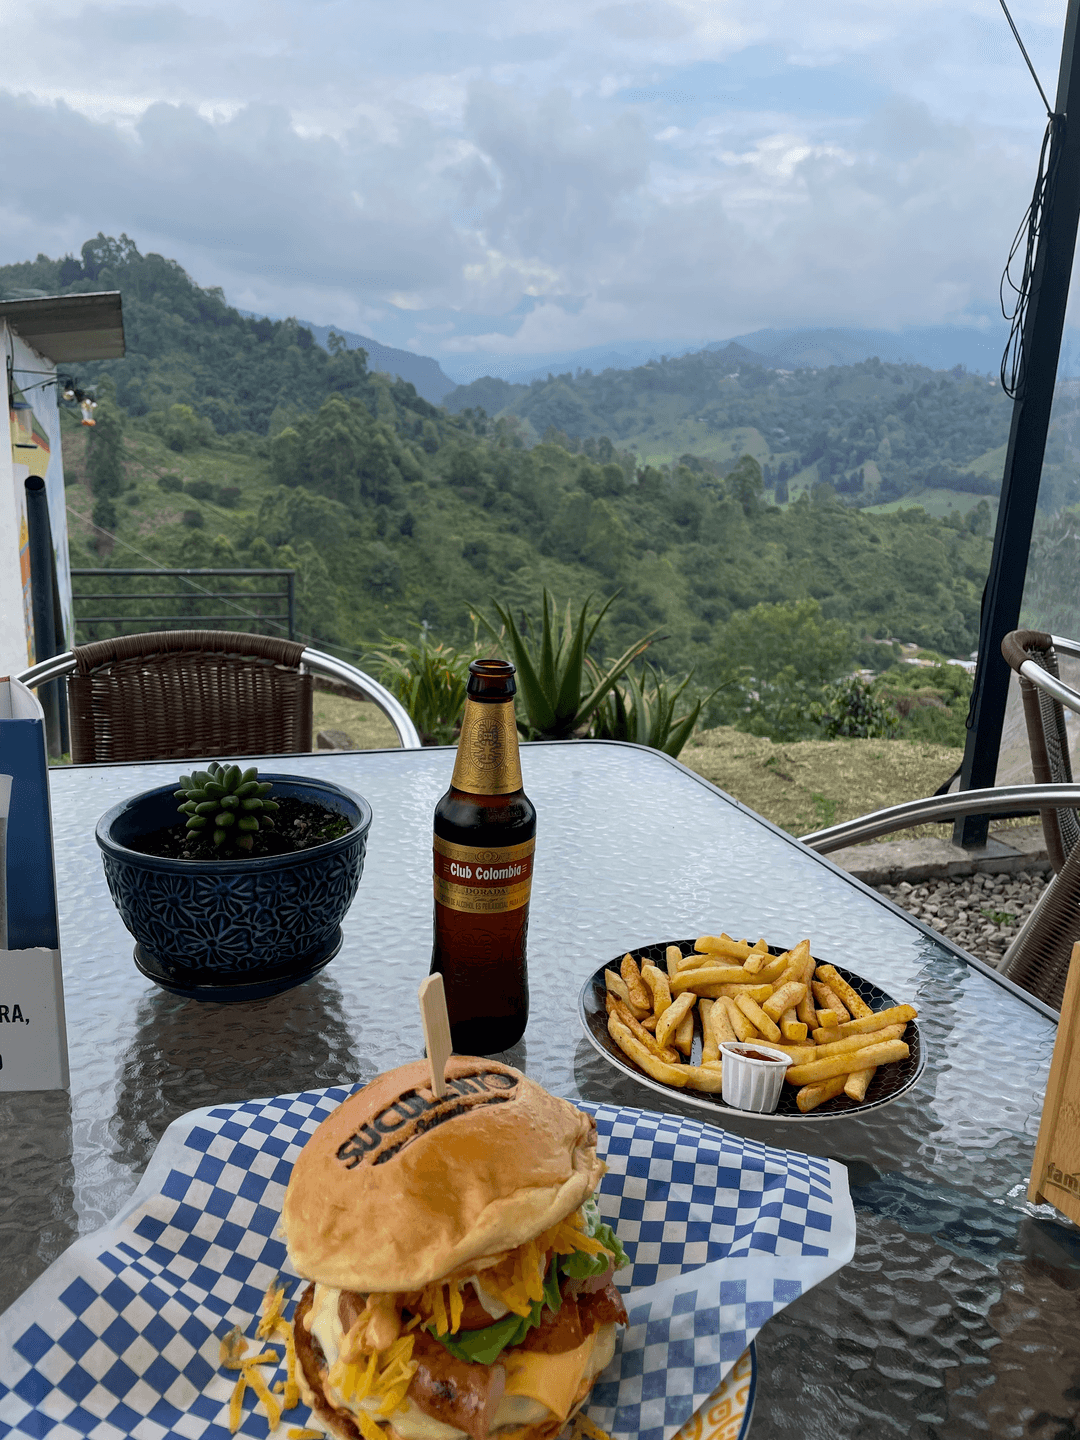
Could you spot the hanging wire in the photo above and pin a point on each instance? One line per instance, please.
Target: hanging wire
(1014, 307)
(1027, 57)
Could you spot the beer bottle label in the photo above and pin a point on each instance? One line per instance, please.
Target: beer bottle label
(487, 760)
(483, 881)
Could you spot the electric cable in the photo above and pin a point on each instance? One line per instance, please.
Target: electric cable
(1014, 359)
(1015, 308)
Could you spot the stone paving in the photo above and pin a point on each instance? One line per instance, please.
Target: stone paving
(981, 913)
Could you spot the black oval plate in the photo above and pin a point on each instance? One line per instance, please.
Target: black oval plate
(890, 1082)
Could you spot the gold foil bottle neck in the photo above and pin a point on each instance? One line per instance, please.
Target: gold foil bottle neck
(487, 761)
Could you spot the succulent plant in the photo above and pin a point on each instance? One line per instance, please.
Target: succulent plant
(228, 805)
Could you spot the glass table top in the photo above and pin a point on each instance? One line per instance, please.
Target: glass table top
(956, 1317)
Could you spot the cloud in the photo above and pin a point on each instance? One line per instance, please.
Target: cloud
(527, 178)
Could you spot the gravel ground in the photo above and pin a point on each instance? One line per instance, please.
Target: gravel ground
(981, 913)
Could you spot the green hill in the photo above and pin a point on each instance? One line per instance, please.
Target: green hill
(228, 441)
(878, 433)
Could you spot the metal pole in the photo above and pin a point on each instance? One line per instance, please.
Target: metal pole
(1027, 439)
(42, 564)
(292, 604)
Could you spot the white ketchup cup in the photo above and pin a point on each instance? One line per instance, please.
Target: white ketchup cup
(753, 1075)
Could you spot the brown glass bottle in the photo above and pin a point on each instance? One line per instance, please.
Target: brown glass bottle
(485, 827)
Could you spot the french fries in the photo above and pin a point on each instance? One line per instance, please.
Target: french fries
(624, 1013)
(811, 1096)
(668, 1022)
(639, 994)
(657, 982)
(841, 1064)
(710, 1046)
(843, 992)
(727, 989)
(899, 1014)
(829, 1000)
(784, 997)
(757, 1017)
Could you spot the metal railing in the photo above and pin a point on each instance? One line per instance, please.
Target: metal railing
(245, 612)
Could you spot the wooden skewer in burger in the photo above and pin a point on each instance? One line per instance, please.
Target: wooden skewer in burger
(462, 1278)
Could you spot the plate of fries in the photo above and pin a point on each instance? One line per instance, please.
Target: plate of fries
(660, 1013)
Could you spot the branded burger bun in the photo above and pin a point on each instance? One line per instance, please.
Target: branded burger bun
(462, 1279)
(396, 1189)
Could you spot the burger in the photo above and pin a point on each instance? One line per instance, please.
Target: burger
(461, 1275)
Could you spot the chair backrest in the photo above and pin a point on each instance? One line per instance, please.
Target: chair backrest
(1039, 957)
(179, 693)
(1047, 738)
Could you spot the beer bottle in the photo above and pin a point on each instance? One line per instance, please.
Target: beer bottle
(484, 836)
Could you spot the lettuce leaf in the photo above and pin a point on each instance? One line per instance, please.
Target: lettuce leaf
(483, 1347)
(610, 1241)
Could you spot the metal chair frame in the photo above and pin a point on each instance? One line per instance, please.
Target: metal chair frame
(1038, 957)
(314, 661)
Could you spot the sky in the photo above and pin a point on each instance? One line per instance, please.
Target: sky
(507, 178)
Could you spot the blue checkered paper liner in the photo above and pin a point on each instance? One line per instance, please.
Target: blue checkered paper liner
(120, 1336)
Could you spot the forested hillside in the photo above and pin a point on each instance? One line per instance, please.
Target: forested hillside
(876, 433)
(186, 346)
(225, 441)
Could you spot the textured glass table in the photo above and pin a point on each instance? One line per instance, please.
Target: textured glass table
(957, 1316)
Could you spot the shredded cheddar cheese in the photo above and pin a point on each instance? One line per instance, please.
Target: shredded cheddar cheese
(234, 1357)
(262, 1390)
(291, 1388)
(385, 1376)
(369, 1428)
(272, 1307)
(518, 1279)
(584, 1429)
(236, 1404)
(445, 1312)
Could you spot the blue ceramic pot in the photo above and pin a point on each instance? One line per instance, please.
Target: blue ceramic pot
(237, 928)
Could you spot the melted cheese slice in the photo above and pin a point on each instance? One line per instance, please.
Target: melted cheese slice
(554, 1380)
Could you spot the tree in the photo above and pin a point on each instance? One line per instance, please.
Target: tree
(773, 663)
(745, 484)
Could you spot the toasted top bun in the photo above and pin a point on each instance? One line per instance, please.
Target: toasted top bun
(396, 1189)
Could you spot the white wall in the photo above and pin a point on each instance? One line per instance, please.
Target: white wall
(29, 370)
(12, 627)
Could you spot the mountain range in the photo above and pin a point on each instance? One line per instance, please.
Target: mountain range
(940, 347)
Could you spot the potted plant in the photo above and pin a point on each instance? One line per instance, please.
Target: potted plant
(241, 895)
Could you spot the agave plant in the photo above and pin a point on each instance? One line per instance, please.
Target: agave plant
(646, 716)
(228, 803)
(559, 689)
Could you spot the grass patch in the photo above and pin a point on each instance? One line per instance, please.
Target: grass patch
(813, 783)
(364, 723)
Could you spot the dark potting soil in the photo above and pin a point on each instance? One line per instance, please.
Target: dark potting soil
(298, 825)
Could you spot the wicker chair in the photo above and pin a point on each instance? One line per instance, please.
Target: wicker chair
(179, 694)
(1038, 958)
(1040, 954)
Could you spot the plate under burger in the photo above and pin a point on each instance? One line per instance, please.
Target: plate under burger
(890, 1082)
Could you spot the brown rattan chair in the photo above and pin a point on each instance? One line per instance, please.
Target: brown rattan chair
(1038, 959)
(178, 694)
(1044, 717)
